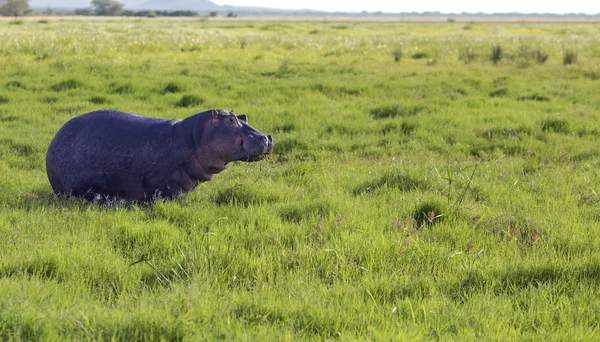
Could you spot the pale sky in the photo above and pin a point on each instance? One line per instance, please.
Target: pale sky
(449, 6)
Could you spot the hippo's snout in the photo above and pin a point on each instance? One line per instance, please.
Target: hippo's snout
(257, 146)
(268, 142)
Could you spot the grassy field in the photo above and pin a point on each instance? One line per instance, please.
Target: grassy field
(429, 181)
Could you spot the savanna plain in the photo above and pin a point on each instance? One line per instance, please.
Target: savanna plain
(428, 181)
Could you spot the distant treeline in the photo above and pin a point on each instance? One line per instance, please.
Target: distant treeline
(189, 13)
(147, 13)
(142, 13)
(488, 15)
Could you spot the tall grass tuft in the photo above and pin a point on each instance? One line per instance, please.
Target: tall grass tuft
(541, 56)
(126, 88)
(534, 97)
(420, 55)
(394, 179)
(242, 195)
(67, 85)
(396, 110)
(397, 53)
(284, 68)
(496, 55)
(15, 84)
(172, 87)
(467, 55)
(555, 125)
(430, 213)
(405, 128)
(501, 92)
(99, 100)
(570, 56)
(189, 101)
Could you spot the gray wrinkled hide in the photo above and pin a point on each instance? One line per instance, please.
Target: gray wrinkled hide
(111, 153)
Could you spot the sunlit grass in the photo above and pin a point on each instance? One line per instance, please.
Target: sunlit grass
(418, 188)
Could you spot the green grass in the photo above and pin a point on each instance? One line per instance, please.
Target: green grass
(443, 195)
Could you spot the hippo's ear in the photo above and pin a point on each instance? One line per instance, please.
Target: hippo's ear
(243, 118)
(215, 113)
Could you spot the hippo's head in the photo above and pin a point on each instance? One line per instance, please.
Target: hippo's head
(227, 137)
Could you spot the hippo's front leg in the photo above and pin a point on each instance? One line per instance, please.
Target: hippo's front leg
(177, 182)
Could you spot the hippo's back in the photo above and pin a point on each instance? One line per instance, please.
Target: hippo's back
(110, 125)
(108, 150)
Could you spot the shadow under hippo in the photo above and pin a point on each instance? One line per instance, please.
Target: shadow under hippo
(111, 154)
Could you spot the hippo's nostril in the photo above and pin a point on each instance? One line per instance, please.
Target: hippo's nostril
(269, 137)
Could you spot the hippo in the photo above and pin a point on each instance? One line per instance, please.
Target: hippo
(108, 154)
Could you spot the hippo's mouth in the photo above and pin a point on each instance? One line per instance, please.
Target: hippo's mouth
(257, 157)
(216, 169)
(256, 152)
(254, 156)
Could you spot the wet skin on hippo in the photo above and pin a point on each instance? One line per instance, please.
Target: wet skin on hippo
(108, 154)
